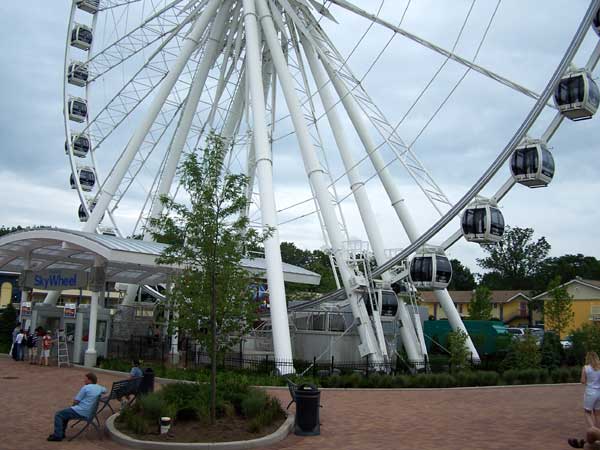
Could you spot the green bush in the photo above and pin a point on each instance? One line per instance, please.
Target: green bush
(152, 406)
(561, 375)
(551, 351)
(254, 403)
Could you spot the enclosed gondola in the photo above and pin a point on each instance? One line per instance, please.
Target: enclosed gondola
(82, 37)
(81, 145)
(482, 222)
(577, 95)
(532, 164)
(430, 269)
(83, 217)
(87, 179)
(77, 74)
(77, 109)
(389, 303)
(91, 6)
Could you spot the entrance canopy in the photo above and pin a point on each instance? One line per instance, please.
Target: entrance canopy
(127, 260)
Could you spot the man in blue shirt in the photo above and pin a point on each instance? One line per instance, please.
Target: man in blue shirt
(84, 406)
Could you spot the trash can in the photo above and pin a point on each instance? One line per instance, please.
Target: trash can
(308, 402)
(147, 384)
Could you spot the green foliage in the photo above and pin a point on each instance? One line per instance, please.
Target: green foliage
(191, 401)
(211, 297)
(552, 351)
(8, 320)
(462, 277)
(480, 306)
(514, 261)
(558, 310)
(567, 267)
(523, 354)
(585, 339)
(459, 352)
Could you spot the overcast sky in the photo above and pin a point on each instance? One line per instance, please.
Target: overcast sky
(524, 43)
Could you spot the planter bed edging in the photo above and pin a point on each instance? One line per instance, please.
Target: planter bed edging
(280, 434)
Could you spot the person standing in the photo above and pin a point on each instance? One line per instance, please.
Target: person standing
(39, 344)
(19, 345)
(84, 406)
(32, 339)
(13, 348)
(590, 377)
(46, 347)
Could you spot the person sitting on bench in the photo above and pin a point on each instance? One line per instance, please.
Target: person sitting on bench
(82, 407)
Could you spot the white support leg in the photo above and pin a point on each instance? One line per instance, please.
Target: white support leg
(264, 169)
(407, 332)
(360, 124)
(317, 179)
(90, 354)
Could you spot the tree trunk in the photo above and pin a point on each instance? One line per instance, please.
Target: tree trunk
(213, 349)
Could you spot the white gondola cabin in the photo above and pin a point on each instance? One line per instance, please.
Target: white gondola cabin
(384, 301)
(81, 145)
(91, 6)
(83, 217)
(532, 164)
(482, 222)
(81, 37)
(430, 269)
(577, 95)
(77, 74)
(87, 179)
(107, 231)
(77, 109)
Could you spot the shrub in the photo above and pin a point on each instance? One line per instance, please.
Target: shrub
(561, 375)
(523, 354)
(551, 351)
(254, 402)
(459, 352)
(152, 406)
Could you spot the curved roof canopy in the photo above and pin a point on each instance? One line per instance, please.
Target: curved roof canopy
(127, 260)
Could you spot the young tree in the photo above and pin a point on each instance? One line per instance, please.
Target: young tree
(515, 260)
(206, 239)
(480, 307)
(459, 352)
(558, 310)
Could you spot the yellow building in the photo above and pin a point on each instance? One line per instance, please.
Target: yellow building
(511, 307)
(586, 301)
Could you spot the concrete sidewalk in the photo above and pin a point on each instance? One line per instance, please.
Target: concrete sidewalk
(505, 418)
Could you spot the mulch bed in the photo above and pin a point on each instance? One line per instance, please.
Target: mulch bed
(225, 430)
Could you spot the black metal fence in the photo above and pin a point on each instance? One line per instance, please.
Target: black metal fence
(192, 356)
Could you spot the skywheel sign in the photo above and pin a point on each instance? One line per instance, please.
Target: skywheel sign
(55, 280)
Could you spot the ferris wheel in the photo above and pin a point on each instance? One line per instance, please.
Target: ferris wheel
(147, 80)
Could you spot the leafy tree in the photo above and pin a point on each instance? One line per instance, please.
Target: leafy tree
(462, 277)
(552, 351)
(568, 267)
(480, 307)
(459, 352)
(585, 339)
(515, 260)
(523, 354)
(211, 295)
(8, 320)
(558, 310)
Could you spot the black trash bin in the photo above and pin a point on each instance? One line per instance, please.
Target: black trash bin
(147, 384)
(308, 402)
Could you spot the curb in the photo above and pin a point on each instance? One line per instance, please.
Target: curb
(279, 435)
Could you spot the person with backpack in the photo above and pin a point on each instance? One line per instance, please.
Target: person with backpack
(32, 339)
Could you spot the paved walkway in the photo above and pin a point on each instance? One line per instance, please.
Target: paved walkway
(501, 418)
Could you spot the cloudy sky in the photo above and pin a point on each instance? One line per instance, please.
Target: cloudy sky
(524, 43)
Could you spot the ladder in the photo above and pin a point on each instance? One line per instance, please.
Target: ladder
(63, 350)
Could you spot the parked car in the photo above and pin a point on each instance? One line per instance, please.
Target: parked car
(516, 333)
(567, 342)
